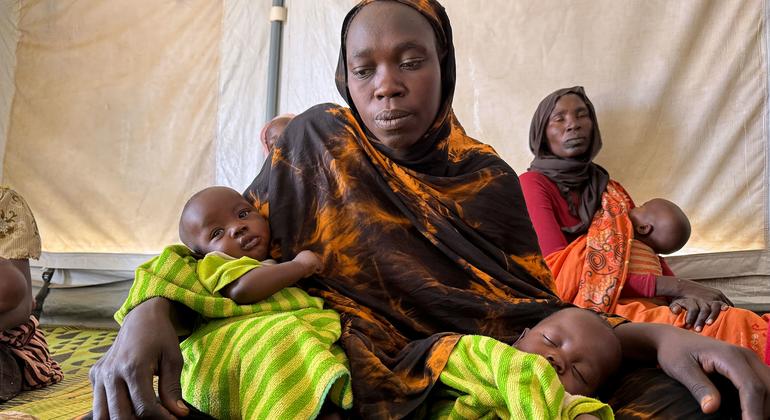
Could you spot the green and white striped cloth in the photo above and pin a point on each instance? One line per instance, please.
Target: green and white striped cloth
(272, 359)
(277, 358)
(489, 379)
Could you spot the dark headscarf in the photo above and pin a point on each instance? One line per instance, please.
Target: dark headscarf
(579, 174)
(424, 149)
(417, 250)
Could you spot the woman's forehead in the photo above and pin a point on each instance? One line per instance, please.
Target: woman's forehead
(387, 24)
(570, 100)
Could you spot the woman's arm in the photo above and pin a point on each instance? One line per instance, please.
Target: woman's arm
(146, 345)
(689, 357)
(265, 281)
(540, 207)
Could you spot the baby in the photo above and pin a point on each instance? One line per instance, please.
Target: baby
(661, 225)
(579, 344)
(273, 130)
(220, 226)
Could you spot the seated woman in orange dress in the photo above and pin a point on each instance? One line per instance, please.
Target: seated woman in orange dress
(582, 221)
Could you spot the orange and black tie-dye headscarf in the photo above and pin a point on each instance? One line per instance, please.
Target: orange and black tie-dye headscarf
(416, 251)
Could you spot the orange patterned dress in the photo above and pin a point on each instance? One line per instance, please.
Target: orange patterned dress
(591, 272)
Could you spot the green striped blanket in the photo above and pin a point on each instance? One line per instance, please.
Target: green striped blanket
(490, 379)
(277, 358)
(273, 359)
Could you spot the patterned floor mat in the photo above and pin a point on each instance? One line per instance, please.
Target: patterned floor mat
(76, 350)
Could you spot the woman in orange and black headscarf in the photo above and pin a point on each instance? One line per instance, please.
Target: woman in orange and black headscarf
(424, 236)
(585, 232)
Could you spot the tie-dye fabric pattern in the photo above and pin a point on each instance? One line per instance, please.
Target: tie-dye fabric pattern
(413, 257)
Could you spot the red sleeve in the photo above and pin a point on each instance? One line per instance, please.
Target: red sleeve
(639, 285)
(542, 212)
(666, 269)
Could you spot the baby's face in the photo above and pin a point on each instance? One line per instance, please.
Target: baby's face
(661, 225)
(274, 131)
(582, 349)
(221, 220)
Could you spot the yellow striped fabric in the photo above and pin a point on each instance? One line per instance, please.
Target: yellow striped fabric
(490, 379)
(272, 359)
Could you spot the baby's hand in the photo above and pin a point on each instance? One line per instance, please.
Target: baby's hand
(310, 260)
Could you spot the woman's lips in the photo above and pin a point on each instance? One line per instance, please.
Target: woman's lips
(391, 119)
(575, 142)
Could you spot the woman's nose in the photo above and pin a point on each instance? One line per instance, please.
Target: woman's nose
(389, 84)
(573, 123)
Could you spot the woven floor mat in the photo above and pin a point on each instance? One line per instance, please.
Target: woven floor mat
(76, 350)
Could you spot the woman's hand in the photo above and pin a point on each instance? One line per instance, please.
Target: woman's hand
(146, 345)
(702, 303)
(689, 357)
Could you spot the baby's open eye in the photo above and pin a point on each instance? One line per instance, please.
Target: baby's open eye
(216, 233)
(243, 214)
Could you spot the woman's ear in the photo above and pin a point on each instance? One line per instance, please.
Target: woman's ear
(644, 229)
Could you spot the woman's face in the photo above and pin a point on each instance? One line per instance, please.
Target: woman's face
(394, 73)
(569, 128)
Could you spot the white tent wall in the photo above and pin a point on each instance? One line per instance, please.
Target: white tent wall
(242, 87)
(9, 37)
(138, 105)
(122, 109)
(680, 95)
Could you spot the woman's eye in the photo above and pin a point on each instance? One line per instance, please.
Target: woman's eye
(243, 214)
(411, 64)
(216, 233)
(361, 73)
(558, 118)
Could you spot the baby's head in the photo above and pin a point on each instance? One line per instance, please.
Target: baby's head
(273, 129)
(220, 219)
(661, 225)
(579, 344)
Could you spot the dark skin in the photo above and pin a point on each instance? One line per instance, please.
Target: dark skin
(122, 379)
(568, 128)
(220, 219)
(394, 73)
(580, 346)
(16, 300)
(274, 130)
(664, 227)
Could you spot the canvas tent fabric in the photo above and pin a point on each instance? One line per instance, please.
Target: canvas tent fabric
(113, 113)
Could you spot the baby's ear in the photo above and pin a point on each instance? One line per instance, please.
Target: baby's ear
(523, 333)
(644, 229)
